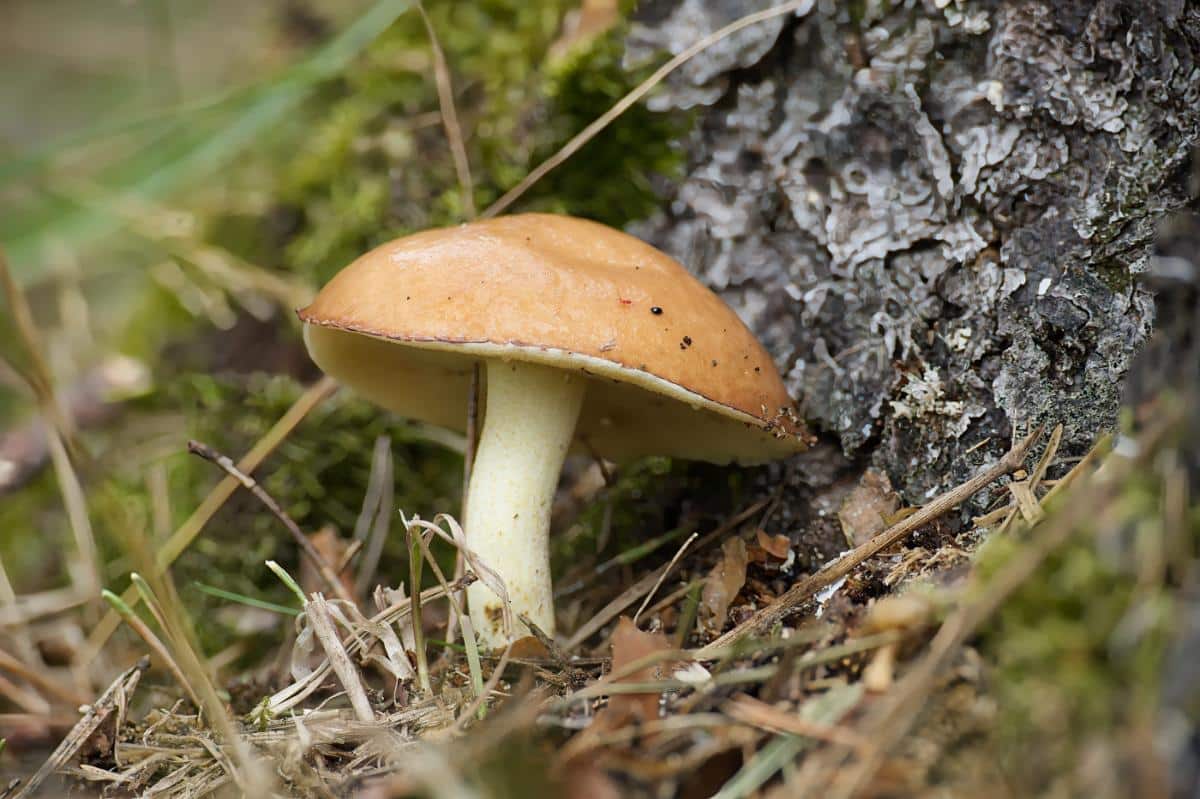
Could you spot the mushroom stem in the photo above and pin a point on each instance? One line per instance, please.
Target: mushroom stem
(530, 414)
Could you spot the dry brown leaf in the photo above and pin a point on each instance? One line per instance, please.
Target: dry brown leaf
(867, 507)
(722, 584)
(630, 644)
(777, 546)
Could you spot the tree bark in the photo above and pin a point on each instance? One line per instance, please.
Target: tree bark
(935, 214)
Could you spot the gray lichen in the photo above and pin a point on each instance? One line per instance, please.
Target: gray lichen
(933, 213)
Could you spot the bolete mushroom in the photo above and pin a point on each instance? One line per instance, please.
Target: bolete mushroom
(588, 338)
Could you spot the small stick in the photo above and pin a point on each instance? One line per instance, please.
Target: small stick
(21, 636)
(31, 702)
(553, 649)
(756, 713)
(348, 556)
(39, 377)
(763, 620)
(250, 484)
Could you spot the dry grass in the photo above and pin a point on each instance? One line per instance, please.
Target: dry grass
(364, 714)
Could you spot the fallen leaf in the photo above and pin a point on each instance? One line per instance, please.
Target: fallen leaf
(867, 507)
(628, 645)
(777, 546)
(722, 584)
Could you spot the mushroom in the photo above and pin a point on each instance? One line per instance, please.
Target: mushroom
(588, 338)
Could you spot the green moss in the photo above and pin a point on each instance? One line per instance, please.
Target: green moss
(374, 163)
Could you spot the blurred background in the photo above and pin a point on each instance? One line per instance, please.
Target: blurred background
(176, 178)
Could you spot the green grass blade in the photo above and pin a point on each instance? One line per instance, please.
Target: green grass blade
(249, 601)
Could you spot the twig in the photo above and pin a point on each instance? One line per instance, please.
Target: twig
(1025, 501)
(625, 103)
(642, 730)
(764, 619)
(31, 702)
(60, 436)
(250, 484)
(191, 528)
(552, 649)
(29, 607)
(40, 680)
(445, 90)
(21, 637)
(38, 376)
(612, 683)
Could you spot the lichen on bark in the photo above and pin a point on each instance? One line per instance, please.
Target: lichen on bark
(933, 213)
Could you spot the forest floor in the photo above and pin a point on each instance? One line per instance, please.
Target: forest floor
(707, 648)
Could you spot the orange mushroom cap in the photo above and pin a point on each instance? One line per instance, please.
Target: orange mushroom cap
(673, 370)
